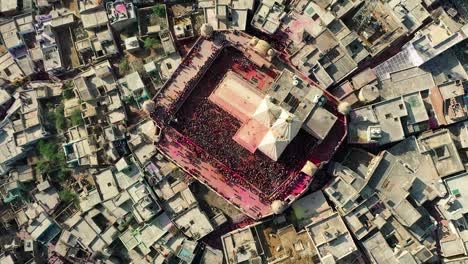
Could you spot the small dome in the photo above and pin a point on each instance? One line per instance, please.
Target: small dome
(206, 30)
(149, 106)
(253, 41)
(369, 93)
(271, 52)
(344, 108)
(262, 47)
(278, 207)
(309, 168)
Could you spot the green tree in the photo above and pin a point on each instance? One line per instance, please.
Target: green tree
(159, 10)
(68, 196)
(124, 66)
(51, 118)
(51, 158)
(43, 166)
(75, 117)
(60, 121)
(47, 150)
(68, 94)
(52, 153)
(151, 43)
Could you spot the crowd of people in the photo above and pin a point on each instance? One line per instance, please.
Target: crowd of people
(165, 113)
(212, 129)
(208, 130)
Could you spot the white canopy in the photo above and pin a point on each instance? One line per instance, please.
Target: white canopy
(286, 126)
(280, 135)
(272, 146)
(267, 112)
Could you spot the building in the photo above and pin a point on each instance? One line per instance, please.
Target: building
(423, 48)
(269, 15)
(22, 127)
(183, 28)
(333, 241)
(381, 25)
(351, 179)
(449, 102)
(391, 120)
(381, 200)
(121, 14)
(453, 208)
(41, 227)
(132, 88)
(149, 24)
(231, 14)
(9, 7)
(47, 197)
(10, 70)
(98, 45)
(211, 255)
(79, 149)
(52, 58)
(99, 83)
(167, 42)
(379, 250)
(90, 231)
(17, 34)
(328, 60)
(93, 15)
(145, 239)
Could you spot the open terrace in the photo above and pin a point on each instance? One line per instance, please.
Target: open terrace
(197, 134)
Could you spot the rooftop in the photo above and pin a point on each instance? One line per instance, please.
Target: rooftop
(441, 149)
(194, 223)
(390, 120)
(378, 249)
(240, 246)
(332, 239)
(268, 15)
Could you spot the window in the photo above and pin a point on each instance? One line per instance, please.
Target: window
(7, 72)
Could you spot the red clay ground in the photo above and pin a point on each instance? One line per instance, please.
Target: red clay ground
(212, 129)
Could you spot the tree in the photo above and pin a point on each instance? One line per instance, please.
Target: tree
(51, 118)
(43, 166)
(151, 43)
(159, 10)
(68, 196)
(60, 121)
(68, 94)
(51, 152)
(124, 66)
(51, 158)
(47, 150)
(75, 117)
(62, 175)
